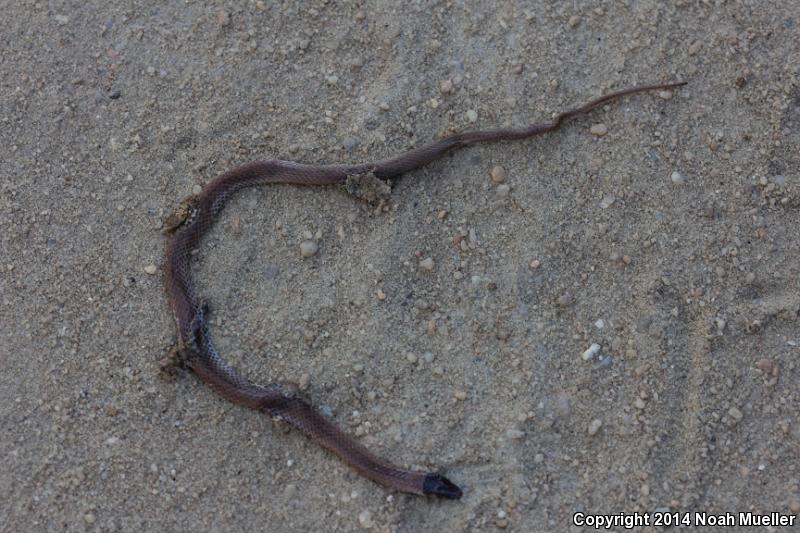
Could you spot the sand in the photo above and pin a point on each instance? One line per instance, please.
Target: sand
(446, 330)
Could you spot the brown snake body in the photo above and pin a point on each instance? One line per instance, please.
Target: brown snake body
(196, 346)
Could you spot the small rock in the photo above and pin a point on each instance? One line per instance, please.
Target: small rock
(607, 201)
(735, 413)
(503, 190)
(639, 403)
(472, 115)
(590, 352)
(564, 300)
(305, 379)
(411, 358)
(445, 86)
(574, 20)
(515, 434)
(665, 94)
(460, 395)
(765, 365)
(498, 174)
(594, 426)
(427, 264)
(677, 179)
(151, 269)
(598, 130)
(308, 248)
(365, 519)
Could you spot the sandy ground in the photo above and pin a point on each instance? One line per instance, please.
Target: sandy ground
(672, 242)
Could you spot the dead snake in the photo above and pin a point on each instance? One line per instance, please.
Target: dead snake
(197, 214)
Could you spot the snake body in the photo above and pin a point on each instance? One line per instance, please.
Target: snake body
(194, 340)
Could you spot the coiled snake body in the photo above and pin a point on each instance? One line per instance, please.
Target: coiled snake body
(195, 344)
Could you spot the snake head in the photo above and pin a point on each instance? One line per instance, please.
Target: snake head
(438, 485)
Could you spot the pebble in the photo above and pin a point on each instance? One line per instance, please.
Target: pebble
(598, 130)
(460, 395)
(535, 264)
(765, 365)
(665, 94)
(446, 86)
(607, 201)
(305, 378)
(498, 174)
(677, 179)
(427, 264)
(503, 190)
(472, 115)
(308, 248)
(515, 434)
(639, 403)
(151, 269)
(604, 362)
(735, 413)
(411, 358)
(594, 426)
(365, 519)
(564, 300)
(591, 352)
(574, 20)
(89, 518)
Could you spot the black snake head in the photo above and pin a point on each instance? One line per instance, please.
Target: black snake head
(438, 485)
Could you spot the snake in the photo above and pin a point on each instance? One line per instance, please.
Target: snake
(197, 213)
